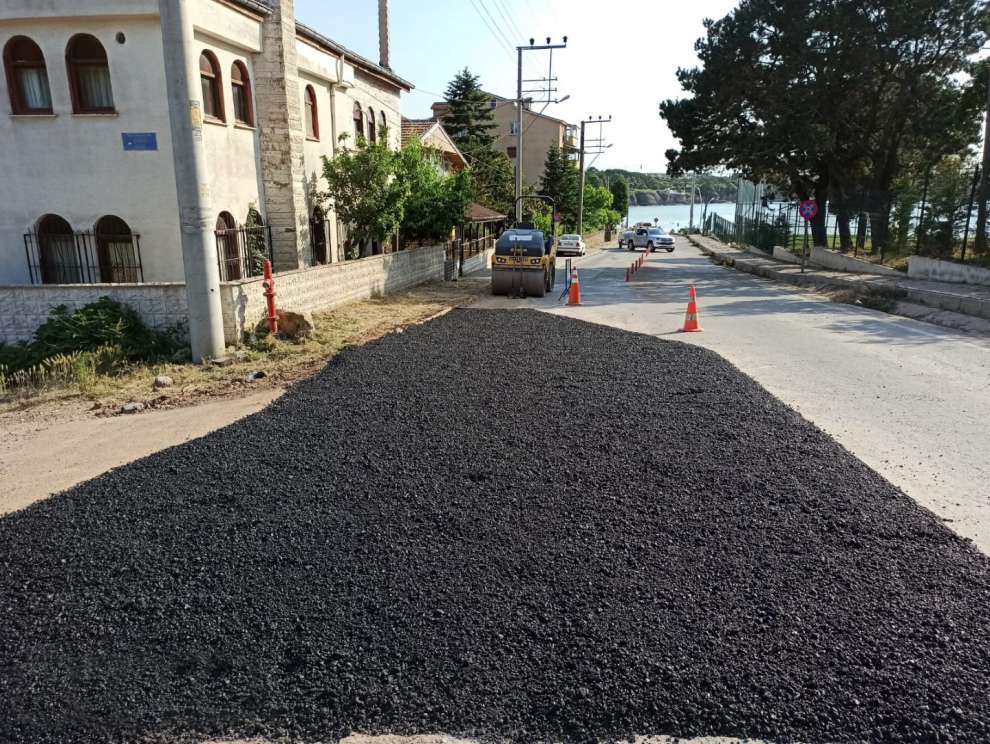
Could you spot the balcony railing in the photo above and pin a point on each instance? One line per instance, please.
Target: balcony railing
(84, 258)
(241, 251)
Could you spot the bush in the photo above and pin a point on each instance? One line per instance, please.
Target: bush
(76, 347)
(97, 325)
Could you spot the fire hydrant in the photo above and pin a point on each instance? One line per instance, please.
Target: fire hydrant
(269, 286)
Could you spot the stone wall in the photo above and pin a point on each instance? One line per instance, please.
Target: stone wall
(163, 306)
(324, 287)
(931, 269)
(479, 262)
(23, 309)
(782, 254)
(841, 262)
(279, 109)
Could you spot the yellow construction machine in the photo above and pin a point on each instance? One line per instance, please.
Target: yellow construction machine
(525, 260)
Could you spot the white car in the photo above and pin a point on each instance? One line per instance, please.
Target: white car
(571, 245)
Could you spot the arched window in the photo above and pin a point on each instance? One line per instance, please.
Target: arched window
(209, 76)
(115, 251)
(372, 133)
(358, 123)
(383, 127)
(89, 76)
(312, 114)
(318, 236)
(27, 77)
(240, 85)
(57, 256)
(228, 248)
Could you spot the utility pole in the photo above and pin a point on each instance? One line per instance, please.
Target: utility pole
(599, 148)
(694, 187)
(185, 105)
(521, 102)
(980, 243)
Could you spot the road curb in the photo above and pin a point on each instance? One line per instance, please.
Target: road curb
(949, 311)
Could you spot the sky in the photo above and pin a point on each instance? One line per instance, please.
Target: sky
(621, 58)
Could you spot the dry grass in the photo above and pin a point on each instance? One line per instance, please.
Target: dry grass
(281, 361)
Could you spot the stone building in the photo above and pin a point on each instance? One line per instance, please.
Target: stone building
(88, 194)
(540, 133)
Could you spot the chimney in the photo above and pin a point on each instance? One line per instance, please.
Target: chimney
(383, 50)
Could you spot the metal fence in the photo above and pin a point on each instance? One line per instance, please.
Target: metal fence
(464, 249)
(241, 251)
(84, 258)
(937, 217)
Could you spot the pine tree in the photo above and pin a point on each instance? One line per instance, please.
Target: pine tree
(620, 196)
(470, 123)
(469, 120)
(562, 182)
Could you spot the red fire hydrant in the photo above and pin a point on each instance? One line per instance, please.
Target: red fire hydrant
(269, 285)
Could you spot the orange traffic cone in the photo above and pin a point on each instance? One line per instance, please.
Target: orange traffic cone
(691, 323)
(574, 295)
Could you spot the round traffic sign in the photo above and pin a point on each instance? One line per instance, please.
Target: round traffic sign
(809, 209)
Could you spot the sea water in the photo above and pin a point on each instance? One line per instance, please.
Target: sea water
(675, 216)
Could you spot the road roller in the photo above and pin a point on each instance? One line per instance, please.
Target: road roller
(525, 261)
(524, 264)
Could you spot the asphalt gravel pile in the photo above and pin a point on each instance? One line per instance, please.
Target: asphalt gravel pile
(500, 524)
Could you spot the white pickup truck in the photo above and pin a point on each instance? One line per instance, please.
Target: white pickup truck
(643, 238)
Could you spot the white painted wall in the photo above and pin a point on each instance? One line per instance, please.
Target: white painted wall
(75, 166)
(931, 269)
(232, 150)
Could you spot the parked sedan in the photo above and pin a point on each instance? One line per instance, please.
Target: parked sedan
(571, 245)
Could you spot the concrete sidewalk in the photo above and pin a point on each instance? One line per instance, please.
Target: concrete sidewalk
(961, 299)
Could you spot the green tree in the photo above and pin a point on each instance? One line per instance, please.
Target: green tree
(469, 120)
(471, 125)
(948, 200)
(620, 196)
(436, 202)
(365, 189)
(562, 182)
(824, 96)
(494, 180)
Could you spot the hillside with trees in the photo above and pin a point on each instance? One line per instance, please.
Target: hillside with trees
(651, 189)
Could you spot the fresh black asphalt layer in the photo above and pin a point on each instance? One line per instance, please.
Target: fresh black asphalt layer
(501, 524)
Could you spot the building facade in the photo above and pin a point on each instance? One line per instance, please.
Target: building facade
(434, 138)
(89, 195)
(540, 133)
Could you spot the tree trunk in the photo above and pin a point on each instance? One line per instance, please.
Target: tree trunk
(861, 232)
(845, 235)
(880, 227)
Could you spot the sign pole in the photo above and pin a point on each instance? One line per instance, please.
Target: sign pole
(804, 248)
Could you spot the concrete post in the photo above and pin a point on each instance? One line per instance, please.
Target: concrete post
(581, 194)
(192, 184)
(279, 108)
(519, 135)
(383, 35)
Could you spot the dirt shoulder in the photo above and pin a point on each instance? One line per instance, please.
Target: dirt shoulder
(62, 437)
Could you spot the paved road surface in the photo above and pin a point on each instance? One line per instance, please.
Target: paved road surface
(910, 399)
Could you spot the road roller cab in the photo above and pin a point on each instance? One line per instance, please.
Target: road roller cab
(524, 263)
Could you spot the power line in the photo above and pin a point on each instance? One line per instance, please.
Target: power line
(510, 20)
(497, 25)
(496, 32)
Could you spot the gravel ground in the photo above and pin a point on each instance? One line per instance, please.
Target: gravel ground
(443, 531)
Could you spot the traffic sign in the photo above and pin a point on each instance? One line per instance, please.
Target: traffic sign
(558, 217)
(809, 209)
